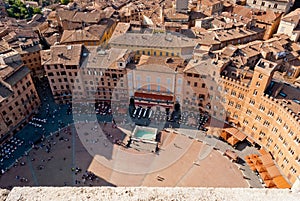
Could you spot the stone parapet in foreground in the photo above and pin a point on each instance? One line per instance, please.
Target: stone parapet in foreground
(145, 193)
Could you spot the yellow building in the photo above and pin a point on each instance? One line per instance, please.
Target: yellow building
(93, 35)
(155, 44)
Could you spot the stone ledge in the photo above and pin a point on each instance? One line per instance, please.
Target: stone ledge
(146, 193)
(3, 194)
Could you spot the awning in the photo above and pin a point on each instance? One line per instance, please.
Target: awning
(269, 183)
(280, 182)
(232, 155)
(224, 135)
(273, 171)
(265, 176)
(232, 140)
(267, 160)
(153, 96)
(256, 161)
(236, 133)
(260, 168)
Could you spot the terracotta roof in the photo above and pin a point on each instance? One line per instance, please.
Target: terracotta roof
(95, 57)
(265, 16)
(210, 2)
(293, 16)
(120, 29)
(96, 30)
(17, 75)
(151, 63)
(154, 40)
(62, 54)
(88, 17)
(70, 36)
(65, 14)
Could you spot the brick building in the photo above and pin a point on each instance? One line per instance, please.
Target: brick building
(18, 96)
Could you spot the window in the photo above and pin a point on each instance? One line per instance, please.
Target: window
(285, 161)
(280, 137)
(276, 147)
(245, 122)
(241, 96)
(230, 103)
(291, 133)
(255, 92)
(292, 152)
(274, 130)
(195, 84)
(262, 3)
(249, 112)
(266, 123)
(279, 120)
(262, 134)
(298, 159)
(203, 85)
(275, 5)
(238, 106)
(252, 102)
(260, 76)
(233, 93)
(258, 118)
(261, 108)
(254, 128)
(297, 140)
(280, 153)
(270, 113)
(254, 2)
(179, 81)
(293, 170)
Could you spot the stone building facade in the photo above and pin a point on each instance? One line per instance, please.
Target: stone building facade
(18, 96)
(275, 5)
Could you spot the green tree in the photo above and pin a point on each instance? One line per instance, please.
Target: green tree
(37, 11)
(65, 2)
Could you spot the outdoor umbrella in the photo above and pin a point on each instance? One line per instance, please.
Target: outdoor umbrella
(264, 176)
(232, 140)
(269, 183)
